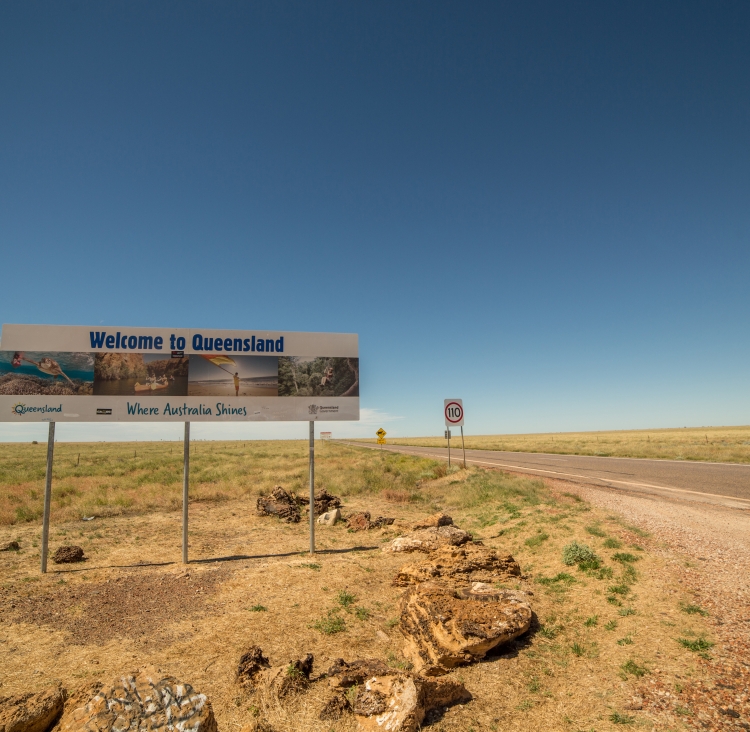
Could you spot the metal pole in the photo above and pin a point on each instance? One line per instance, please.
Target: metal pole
(312, 487)
(185, 485)
(449, 447)
(47, 495)
(462, 444)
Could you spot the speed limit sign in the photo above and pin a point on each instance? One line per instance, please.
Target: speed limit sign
(454, 413)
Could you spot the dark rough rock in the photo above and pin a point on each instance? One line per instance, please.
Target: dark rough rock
(68, 555)
(250, 666)
(145, 701)
(293, 676)
(446, 627)
(361, 521)
(335, 708)
(343, 674)
(11, 546)
(281, 504)
(325, 502)
(31, 712)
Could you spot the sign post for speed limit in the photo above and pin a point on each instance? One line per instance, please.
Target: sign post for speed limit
(454, 417)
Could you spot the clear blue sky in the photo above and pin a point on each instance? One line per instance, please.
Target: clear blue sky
(540, 207)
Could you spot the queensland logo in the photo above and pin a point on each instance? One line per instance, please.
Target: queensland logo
(313, 409)
(19, 409)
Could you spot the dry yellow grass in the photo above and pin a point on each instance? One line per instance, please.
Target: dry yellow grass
(713, 444)
(251, 582)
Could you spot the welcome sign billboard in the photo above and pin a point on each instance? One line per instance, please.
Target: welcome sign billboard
(51, 373)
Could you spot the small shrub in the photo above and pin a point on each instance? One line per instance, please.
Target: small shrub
(631, 667)
(611, 625)
(330, 624)
(392, 623)
(592, 622)
(258, 609)
(577, 649)
(563, 577)
(575, 553)
(693, 609)
(621, 589)
(362, 613)
(625, 611)
(625, 557)
(612, 600)
(548, 631)
(604, 573)
(617, 718)
(345, 599)
(589, 565)
(626, 641)
(595, 531)
(311, 565)
(697, 645)
(612, 543)
(537, 540)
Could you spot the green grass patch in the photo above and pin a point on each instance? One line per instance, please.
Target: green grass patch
(697, 645)
(632, 668)
(693, 609)
(576, 553)
(537, 540)
(596, 531)
(331, 624)
(625, 557)
(611, 543)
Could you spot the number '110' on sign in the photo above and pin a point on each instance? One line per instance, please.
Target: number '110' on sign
(454, 413)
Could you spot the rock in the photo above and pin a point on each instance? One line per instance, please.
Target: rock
(144, 701)
(282, 680)
(335, 708)
(68, 555)
(432, 522)
(325, 501)
(31, 712)
(445, 627)
(635, 704)
(11, 546)
(343, 675)
(467, 563)
(279, 503)
(428, 540)
(399, 702)
(360, 521)
(381, 521)
(330, 518)
(251, 664)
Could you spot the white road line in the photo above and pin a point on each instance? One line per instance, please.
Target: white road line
(574, 475)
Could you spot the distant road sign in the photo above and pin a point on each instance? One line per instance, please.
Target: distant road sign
(381, 440)
(381, 433)
(325, 435)
(454, 413)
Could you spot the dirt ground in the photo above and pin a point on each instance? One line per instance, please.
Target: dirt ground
(604, 651)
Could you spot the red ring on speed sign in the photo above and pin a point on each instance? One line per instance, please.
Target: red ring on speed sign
(460, 410)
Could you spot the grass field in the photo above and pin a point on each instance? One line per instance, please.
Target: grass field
(602, 629)
(114, 479)
(713, 444)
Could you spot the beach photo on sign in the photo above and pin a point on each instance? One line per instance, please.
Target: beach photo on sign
(217, 374)
(140, 374)
(32, 372)
(319, 376)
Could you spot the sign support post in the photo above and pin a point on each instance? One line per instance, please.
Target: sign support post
(312, 487)
(454, 417)
(185, 485)
(47, 495)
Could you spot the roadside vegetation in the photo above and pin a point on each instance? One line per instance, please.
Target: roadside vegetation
(608, 615)
(712, 444)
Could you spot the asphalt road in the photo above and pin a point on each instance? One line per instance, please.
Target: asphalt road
(718, 483)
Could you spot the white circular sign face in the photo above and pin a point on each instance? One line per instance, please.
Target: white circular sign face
(454, 413)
